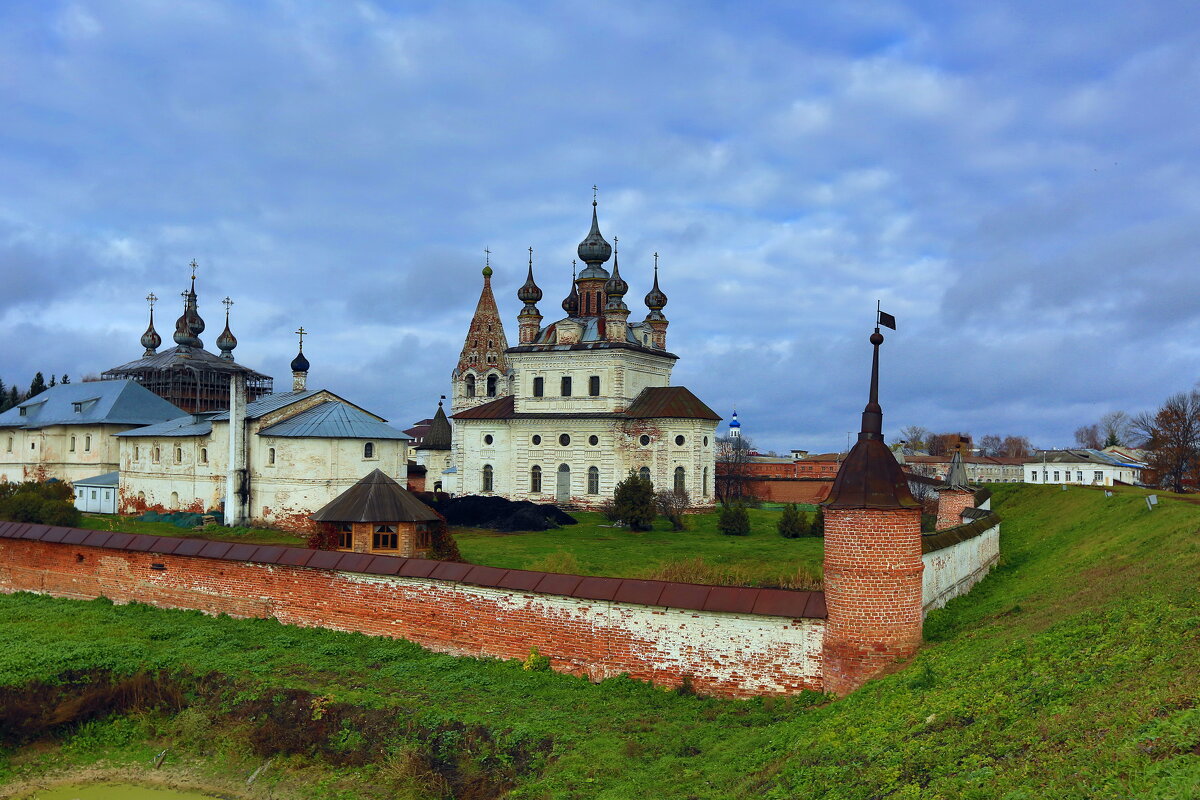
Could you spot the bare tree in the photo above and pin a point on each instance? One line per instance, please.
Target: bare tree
(1117, 429)
(991, 445)
(672, 504)
(943, 444)
(733, 468)
(1088, 436)
(1172, 437)
(915, 435)
(1016, 447)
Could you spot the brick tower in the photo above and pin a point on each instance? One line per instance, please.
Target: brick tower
(872, 557)
(482, 372)
(955, 496)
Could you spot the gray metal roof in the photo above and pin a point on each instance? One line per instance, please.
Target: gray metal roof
(1083, 456)
(375, 498)
(265, 405)
(187, 425)
(196, 357)
(333, 420)
(121, 402)
(107, 479)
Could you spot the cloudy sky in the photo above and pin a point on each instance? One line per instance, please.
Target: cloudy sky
(1018, 184)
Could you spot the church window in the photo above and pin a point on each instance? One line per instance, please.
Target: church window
(535, 479)
(369, 450)
(680, 479)
(10, 442)
(679, 440)
(154, 456)
(644, 473)
(593, 440)
(706, 441)
(704, 485)
(470, 385)
(345, 532)
(491, 385)
(271, 456)
(385, 538)
(564, 440)
(536, 439)
(594, 386)
(178, 455)
(174, 501)
(137, 453)
(488, 478)
(487, 439)
(72, 444)
(539, 386)
(87, 443)
(491, 345)
(644, 439)
(203, 455)
(566, 386)
(593, 480)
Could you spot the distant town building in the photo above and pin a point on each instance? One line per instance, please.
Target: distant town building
(1084, 466)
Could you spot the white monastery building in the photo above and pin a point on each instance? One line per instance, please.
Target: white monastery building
(577, 404)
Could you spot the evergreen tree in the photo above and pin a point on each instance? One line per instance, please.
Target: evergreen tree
(37, 386)
(65, 380)
(3, 397)
(14, 397)
(792, 524)
(634, 502)
(817, 528)
(734, 520)
(53, 381)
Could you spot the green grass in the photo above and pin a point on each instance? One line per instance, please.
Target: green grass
(594, 547)
(115, 522)
(1072, 672)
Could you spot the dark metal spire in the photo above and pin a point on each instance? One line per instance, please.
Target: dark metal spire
(956, 476)
(571, 303)
(227, 341)
(150, 339)
(656, 300)
(594, 250)
(616, 287)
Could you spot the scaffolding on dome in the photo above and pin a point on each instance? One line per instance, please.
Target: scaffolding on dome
(195, 380)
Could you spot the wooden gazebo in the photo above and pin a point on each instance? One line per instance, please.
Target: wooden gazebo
(378, 515)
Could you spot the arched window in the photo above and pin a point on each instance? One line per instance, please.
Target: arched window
(470, 384)
(203, 455)
(137, 453)
(487, 478)
(535, 479)
(87, 443)
(157, 454)
(178, 455)
(593, 480)
(491, 385)
(72, 444)
(644, 473)
(271, 456)
(369, 450)
(680, 479)
(174, 500)
(704, 485)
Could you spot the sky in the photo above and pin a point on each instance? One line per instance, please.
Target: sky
(1017, 183)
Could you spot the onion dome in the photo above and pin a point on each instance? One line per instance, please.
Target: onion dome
(616, 287)
(195, 322)
(594, 250)
(150, 339)
(227, 341)
(656, 300)
(571, 304)
(733, 423)
(529, 293)
(300, 363)
(183, 333)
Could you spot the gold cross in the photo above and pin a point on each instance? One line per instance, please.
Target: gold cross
(302, 332)
(227, 303)
(193, 265)
(151, 298)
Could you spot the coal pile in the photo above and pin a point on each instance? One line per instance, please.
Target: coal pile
(498, 514)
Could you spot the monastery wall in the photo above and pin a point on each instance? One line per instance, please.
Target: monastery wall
(727, 641)
(958, 558)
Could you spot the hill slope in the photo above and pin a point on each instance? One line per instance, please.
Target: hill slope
(1072, 672)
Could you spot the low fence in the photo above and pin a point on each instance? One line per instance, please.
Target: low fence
(727, 641)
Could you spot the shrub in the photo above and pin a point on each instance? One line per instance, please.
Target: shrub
(59, 512)
(536, 662)
(792, 524)
(672, 503)
(817, 526)
(49, 503)
(634, 501)
(734, 521)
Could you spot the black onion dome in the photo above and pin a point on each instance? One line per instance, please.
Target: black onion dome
(529, 293)
(571, 303)
(226, 341)
(656, 300)
(594, 250)
(616, 285)
(150, 339)
(300, 363)
(183, 334)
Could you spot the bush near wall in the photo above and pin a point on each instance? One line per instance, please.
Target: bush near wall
(50, 503)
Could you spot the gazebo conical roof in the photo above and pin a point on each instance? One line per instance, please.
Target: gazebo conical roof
(375, 498)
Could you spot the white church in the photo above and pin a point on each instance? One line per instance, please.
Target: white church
(577, 403)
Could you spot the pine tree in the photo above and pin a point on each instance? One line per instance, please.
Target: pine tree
(37, 386)
(634, 502)
(53, 382)
(65, 380)
(3, 397)
(14, 397)
(817, 528)
(792, 524)
(734, 521)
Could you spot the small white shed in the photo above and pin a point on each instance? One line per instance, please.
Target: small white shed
(97, 495)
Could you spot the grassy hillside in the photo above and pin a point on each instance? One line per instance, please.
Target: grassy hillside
(1072, 672)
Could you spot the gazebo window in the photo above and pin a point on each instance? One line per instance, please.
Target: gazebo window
(345, 532)
(424, 536)
(385, 538)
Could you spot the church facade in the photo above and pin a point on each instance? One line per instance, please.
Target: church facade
(577, 404)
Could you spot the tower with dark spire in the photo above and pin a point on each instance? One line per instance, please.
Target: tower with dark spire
(300, 365)
(616, 313)
(593, 251)
(872, 559)
(482, 372)
(150, 339)
(656, 301)
(955, 495)
(227, 341)
(570, 303)
(529, 321)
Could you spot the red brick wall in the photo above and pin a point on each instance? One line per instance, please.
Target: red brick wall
(873, 592)
(950, 506)
(809, 490)
(727, 654)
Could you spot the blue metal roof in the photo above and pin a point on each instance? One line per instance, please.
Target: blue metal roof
(272, 402)
(333, 420)
(123, 402)
(187, 425)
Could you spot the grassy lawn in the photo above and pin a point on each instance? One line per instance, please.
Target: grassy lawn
(699, 554)
(1073, 671)
(115, 522)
